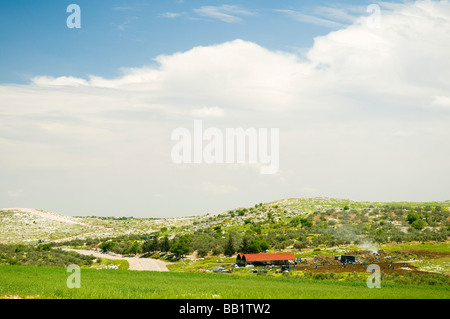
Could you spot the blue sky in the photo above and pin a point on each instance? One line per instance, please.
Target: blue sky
(87, 115)
(115, 34)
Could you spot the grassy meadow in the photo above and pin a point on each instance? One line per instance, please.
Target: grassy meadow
(50, 282)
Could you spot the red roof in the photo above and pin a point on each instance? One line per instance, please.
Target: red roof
(266, 257)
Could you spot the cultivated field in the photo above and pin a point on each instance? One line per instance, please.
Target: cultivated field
(44, 282)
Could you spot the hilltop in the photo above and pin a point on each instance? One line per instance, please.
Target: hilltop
(282, 217)
(30, 226)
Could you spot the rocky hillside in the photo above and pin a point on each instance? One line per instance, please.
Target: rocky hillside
(333, 216)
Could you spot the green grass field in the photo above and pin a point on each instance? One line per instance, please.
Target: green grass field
(444, 247)
(48, 282)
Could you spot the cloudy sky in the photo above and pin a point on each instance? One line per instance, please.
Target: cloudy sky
(361, 99)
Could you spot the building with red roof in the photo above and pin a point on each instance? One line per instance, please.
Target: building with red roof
(265, 259)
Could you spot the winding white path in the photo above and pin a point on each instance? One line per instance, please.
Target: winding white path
(136, 263)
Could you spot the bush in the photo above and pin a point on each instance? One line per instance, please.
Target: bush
(36, 256)
(417, 279)
(203, 251)
(306, 223)
(134, 249)
(418, 224)
(412, 217)
(107, 246)
(258, 245)
(300, 244)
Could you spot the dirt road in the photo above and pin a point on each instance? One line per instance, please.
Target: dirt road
(135, 263)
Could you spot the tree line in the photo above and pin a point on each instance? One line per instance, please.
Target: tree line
(327, 227)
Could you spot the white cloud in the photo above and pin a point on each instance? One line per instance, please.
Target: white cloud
(224, 13)
(331, 16)
(59, 81)
(305, 18)
(339, 14)
(172, 15)
(402, 58)
(241, 74)
(124, 25)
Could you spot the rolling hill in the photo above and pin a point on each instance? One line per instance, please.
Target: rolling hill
(28, 226)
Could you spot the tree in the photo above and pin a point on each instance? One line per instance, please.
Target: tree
(201, 243)
(107, 246)
(412, 217)
(165, 246)
(245, 245)
(306, 223)
(217, 249)
(203, 251)
(229, 247)
(300, 244)
(150, 246)
(147, 247)
(155, 244)
(258, 245)
(181, 246)
(134, 249)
